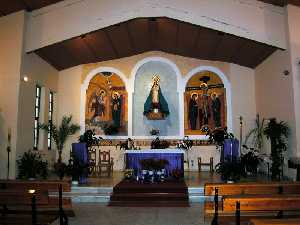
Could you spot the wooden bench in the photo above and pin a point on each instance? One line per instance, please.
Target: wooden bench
(290, 221)
(49, 186)
(256, 200)
(252, 188)
(16, 201)
(19, 207)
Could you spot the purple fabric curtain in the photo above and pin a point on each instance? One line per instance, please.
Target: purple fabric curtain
(175, 161)
(231, 149)
(80, 151)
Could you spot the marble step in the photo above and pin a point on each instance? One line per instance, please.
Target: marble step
(81, 194)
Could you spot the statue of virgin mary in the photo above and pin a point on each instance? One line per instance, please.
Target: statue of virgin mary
(156, 103)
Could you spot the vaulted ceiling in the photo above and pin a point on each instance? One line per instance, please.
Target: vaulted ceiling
(155, 34)
(11, 6)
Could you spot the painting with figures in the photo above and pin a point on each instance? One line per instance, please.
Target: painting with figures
(106, 105)
(204, 103)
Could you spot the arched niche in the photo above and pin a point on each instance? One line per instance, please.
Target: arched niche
(105, 100)
(142, 83)
(207, 101)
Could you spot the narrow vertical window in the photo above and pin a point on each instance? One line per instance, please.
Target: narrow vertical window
(37, 116)
(50, 116)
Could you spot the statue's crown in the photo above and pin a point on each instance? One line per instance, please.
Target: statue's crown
(156, 78)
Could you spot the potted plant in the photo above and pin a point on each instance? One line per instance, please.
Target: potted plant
(250, 160)
(277, 133)
(230, 170)
(32, 166)
(89, 138)
(60, 135)
(257, 134)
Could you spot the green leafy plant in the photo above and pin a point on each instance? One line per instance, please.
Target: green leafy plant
(89, 138)
(277, 133)
(230, 170)
(250, 160)
(31, 165)
(61, 134)
(257, 134)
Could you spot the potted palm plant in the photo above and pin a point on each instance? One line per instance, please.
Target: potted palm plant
(60, 135)
(277, 133)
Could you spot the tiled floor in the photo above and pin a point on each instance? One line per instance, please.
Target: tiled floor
(99, 214)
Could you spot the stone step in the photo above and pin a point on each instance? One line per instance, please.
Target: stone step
(83, 194)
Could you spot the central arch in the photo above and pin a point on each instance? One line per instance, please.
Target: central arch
(131, 93)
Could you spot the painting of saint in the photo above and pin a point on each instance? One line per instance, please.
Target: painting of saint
(156, 102)
(116, 109)
(204, 103)
(98, 105)
(216, 109)
(193, 111)
(106, 105)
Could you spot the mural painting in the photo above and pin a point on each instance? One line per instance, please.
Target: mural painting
(106, 105)
(204, 103)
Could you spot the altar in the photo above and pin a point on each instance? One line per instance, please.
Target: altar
(175, 158)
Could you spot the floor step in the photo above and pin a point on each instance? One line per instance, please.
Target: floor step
(149, 204)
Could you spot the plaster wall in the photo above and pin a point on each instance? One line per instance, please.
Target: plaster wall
(293, 20)
(246, 18)
(11, 45)
(39, 73)
(69, 83)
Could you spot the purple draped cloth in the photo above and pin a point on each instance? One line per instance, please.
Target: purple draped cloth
(80, 152)
(175, 161)
(230, 149)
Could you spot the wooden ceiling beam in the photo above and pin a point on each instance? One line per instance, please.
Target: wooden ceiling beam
(131, 42)
(26, 5)
(111, 43)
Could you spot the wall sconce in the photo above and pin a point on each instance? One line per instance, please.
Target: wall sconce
(25, 78)
(286, 72)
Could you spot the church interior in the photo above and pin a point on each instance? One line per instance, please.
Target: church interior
(139, 112)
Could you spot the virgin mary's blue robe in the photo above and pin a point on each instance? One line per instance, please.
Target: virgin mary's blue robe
(163, 105)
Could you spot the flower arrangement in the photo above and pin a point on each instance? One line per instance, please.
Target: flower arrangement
(154, 132)
(186, 143)
(218, 135)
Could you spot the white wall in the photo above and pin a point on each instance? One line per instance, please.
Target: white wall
(246, 18)
(39, 73)
(294, 46)
(11, 45)
(243, 98)
(69, 83)
(274, 93)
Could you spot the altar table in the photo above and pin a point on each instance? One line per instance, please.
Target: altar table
(175, 158)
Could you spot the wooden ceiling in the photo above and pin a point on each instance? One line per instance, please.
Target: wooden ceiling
(155, 34)
(11, 6)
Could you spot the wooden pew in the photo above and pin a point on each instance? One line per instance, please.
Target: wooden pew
(21, 203)
(292, 221)
(41, 186)
(252, 188)
(261, 203)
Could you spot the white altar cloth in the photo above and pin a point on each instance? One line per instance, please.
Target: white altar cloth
(167, 150)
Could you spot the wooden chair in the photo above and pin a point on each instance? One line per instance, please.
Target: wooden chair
(105, 162)
(210, 164)
(92, 161)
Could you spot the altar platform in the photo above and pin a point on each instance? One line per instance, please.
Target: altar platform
(100, 189)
